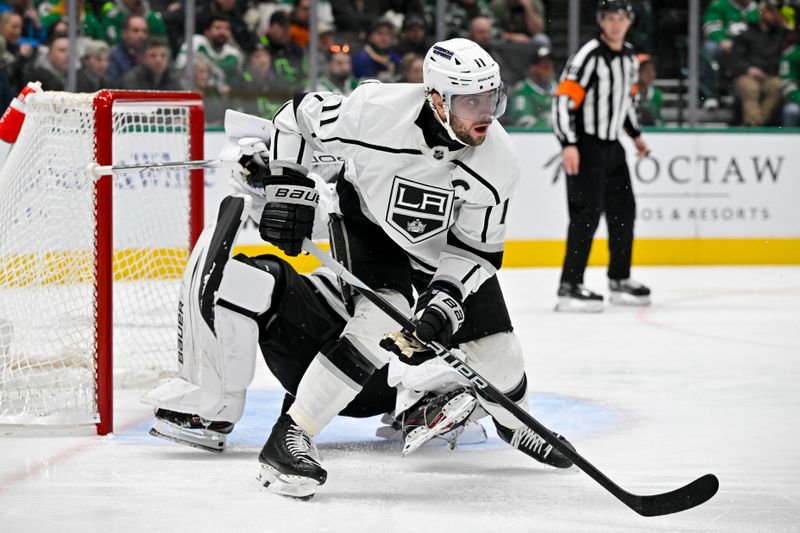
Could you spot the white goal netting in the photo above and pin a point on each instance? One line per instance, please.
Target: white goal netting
(48, 299)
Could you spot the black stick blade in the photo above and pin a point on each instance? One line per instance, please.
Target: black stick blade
(698, 491)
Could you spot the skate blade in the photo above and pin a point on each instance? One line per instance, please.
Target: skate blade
(472, 432)
(299, 487)
(205, 440)
(623, 298)
(571, 305)
(454, 412)
(389, 433)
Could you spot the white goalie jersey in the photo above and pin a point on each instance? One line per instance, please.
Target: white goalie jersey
(446, 208)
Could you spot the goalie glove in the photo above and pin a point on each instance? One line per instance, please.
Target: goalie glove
(255, 162)
(288, 215)
(440, 314)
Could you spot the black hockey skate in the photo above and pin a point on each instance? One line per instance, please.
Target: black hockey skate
(191, 430)
(574, 297)
(628, 292)
(290, 463)
(435, 415)
(530, 443)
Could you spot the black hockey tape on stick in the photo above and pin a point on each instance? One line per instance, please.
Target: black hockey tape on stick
(695, 493)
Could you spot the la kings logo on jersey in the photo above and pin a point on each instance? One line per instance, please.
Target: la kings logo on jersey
(419, 211)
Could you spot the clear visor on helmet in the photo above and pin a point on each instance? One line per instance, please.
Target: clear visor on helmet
(487, 105)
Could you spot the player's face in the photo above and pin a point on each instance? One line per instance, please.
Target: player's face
(471, 132)
(479, 107)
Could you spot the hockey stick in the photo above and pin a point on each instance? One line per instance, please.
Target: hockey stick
(698, 491)
(103, 170)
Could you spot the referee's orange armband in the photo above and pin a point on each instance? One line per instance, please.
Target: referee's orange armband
(572, 89)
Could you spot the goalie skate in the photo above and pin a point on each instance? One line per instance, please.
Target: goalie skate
(435, 416)
(472, 432)
(191, 430)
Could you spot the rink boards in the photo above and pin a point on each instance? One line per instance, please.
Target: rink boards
(719, 198)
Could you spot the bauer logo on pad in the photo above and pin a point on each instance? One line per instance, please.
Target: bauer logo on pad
(419, 211)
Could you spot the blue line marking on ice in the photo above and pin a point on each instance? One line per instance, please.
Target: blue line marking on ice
(575, 418)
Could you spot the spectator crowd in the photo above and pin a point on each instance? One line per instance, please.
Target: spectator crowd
(750, 55)
(253, 55)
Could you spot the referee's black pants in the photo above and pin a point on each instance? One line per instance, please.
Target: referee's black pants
(603, 184)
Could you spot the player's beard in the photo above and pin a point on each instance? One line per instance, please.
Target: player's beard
(463, 131)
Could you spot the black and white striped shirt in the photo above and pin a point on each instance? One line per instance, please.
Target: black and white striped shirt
(596, 94)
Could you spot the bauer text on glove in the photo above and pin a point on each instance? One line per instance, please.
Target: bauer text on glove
(288, 215)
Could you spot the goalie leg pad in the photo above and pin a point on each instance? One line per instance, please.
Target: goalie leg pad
(174, 394)
(217, 344)
(201, 279)
(244, 293)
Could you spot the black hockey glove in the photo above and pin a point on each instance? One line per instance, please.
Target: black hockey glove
(439, 315)
(288, 215)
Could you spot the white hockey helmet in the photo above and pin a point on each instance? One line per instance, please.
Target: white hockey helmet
(460, 67)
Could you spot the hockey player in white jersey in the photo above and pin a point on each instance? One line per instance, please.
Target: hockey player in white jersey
(420, 204)
(231, 308)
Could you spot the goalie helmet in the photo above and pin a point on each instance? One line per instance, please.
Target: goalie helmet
(459, 68)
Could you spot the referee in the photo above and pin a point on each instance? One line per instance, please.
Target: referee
(593, 104)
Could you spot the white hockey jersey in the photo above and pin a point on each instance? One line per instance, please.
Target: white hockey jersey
(445, 208)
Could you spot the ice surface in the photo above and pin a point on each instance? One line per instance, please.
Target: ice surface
(705, 380)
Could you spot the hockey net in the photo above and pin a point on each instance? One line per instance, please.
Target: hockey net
(65, 290)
